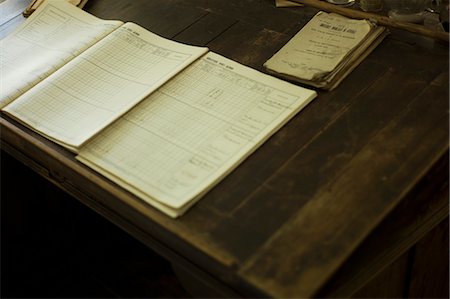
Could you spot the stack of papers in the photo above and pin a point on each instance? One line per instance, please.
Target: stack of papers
(164, 120)
(326, 50)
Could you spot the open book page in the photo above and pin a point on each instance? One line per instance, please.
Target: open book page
(52, 36)
(101, 84)
(36, 3)
(9, 9)
(319, 46)
(179, 142)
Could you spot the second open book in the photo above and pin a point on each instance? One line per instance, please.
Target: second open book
(164, 120)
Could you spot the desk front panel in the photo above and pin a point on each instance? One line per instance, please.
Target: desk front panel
(291, 214)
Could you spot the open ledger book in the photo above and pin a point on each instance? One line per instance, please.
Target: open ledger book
(326, 50)
(164, 120)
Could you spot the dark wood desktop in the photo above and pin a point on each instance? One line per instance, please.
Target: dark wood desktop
(347, 199)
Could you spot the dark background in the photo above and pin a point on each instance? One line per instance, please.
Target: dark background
(54, 246)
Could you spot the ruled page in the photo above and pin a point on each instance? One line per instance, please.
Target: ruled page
(101, 84)
(180, 141)
(53, 35)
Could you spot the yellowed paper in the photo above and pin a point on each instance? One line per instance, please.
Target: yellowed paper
(179, 142)
(51, 37)
(36, 3)
(101, 84)
(319, 47)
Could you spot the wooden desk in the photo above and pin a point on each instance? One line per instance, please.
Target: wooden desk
(338, 194)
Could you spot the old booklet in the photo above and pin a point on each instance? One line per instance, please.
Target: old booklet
(164, 120)
(326, 50)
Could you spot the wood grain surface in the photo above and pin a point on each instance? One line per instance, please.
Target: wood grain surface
(299, 209)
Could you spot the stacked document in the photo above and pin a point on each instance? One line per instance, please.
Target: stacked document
(326, 50)
(164, 120)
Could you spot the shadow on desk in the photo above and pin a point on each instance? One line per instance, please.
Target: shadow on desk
(53, 246)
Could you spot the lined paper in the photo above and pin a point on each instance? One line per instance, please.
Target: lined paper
(185, 137)
(53, 35)
(94, 89)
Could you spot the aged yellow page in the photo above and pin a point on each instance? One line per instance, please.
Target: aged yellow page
(319, 46)
(179, 142)
(56, 33)
(101, 84)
